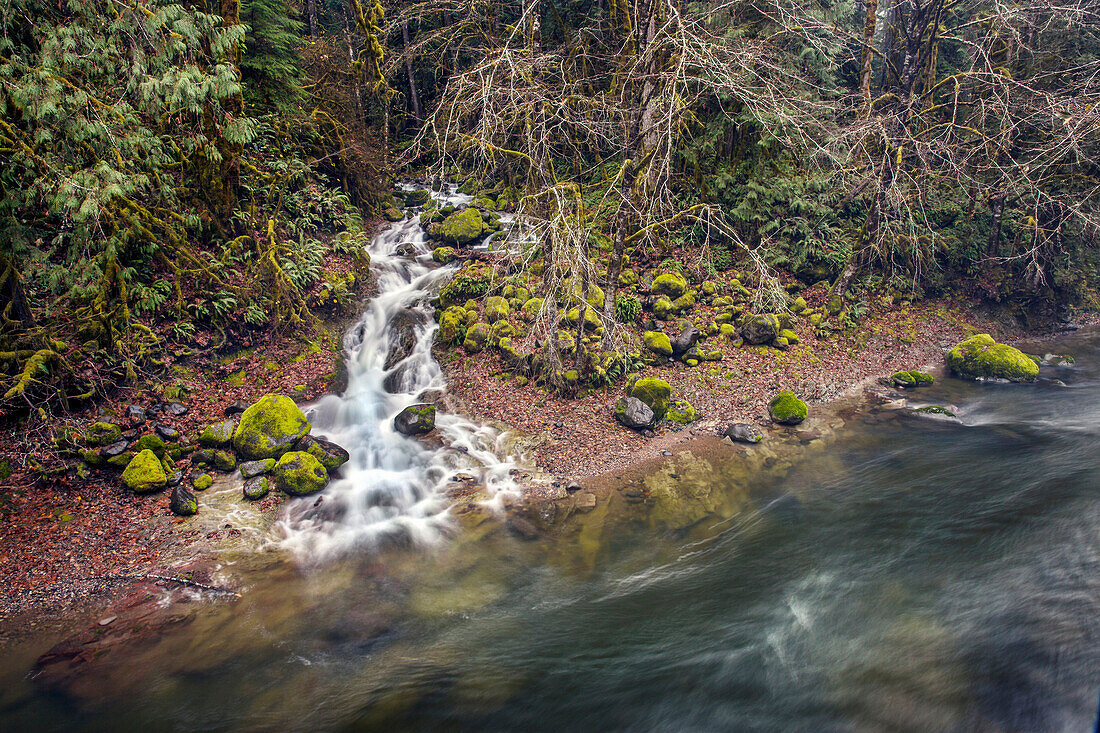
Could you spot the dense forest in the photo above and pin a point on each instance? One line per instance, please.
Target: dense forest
(179, 174)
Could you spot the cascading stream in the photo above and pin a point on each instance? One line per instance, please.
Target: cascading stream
(393, 485)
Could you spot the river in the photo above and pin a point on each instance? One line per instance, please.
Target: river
(916, 574)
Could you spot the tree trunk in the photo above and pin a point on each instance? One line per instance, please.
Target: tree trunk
(865, 65)
(311, 11)
(414, 98)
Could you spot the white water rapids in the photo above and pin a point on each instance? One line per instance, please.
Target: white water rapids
(393, 486)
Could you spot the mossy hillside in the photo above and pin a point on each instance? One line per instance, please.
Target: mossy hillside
(981, 357)
(270, 427)
(144, 473)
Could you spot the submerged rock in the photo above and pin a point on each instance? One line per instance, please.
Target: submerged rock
(270, 428)
(787, 409)
(631, 412)
(740, 432)
(145, 473)
(183, 502)
(911, 378)
(298, 474)
(980, 357)
(415, 420)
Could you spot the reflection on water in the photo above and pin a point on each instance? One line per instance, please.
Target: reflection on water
(913, 574)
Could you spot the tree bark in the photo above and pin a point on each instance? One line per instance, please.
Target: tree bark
(414, 98)
(869, 27)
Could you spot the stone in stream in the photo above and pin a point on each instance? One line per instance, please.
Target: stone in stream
(250, 469)
(183, 502)
(298, 474)
(202, 482)
(415, 420)
(270, 427)
(787, 409)
(740, 432)
(403, 328)
(631, 412)
(145, 473)
(980, 357)
(911, 378)
(331, 455)
(257, 488)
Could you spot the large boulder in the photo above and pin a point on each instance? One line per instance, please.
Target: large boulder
(787, 409)
(760, 329)
(415, 420)
(672, 284)
(144, 473)
(476, 337)
(658, 343)
(331, 455)
(634, 414)
(980, 357)
(461, 227)
(270, 428)
(298, 473)
(655, 393)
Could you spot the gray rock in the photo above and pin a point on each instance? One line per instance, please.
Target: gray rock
(166, 432)
(176, 409)
(251, 469)
(115, 449)
(761, 329)
(257, 488)
(135, 414)
(631, 412)
(743, 433)
(236, 408)
(183, 502)
(687, 339)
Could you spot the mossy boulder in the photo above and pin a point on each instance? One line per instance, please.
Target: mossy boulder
(443, 255)
(103, 433)
(760, 329)
(655, 393)
(417, 198)
(204, 481)
(787, 409)
(257, 488)
(671, 284)
(501, 330)
(531, 308)
(461, 227)
(392, 213)
(183, 502)
(331, 455)
(270, 428)
(658, 343)
(298, 473)
(684, 303)
(496, 308)
(476, 337)
(217, 435)
(680, 412)
(791, 336)
(591, 318)
(144, 473)
(911, 378)
(452, 324)
(470, 282)
(663, 309)
(415, 420)
(980, 357)
(151, 442)
(632, 413)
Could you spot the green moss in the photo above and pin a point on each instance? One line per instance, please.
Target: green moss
(461, 227)
(980, 357)
(672, 284)
(476, 337)
(257, 488)
(684, 303)
(144, 473)
(791, 336)
(298, 473)
(663, 309)
(496, 308)
(787, 409)
(392, 213)
(935, 410)
(452, 325)
(566, 342)
(657, 342)
(202, 482)
(501, 329)
(655, 393)
(681, 412)
(418, 197)
(591, 319)
(270, 427)
(103, 433)
(218, 434)
(443, 255)
(151, 442)
(470, 282)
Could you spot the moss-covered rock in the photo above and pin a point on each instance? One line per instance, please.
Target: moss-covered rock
(663, 309)
(452, 325)
(500, 330)
(470, 282)
(791, 336)
(204, 481)
(331, 455)
(658, 343)
(655, 393)
(476, 337)
(628, 278)
(103, 433)
(223, 460)
(531, 308)
(257, 488)
(298, 473)
(591, 318)
(183, 502)
(270, 427)
(392, 213)
(760, 329)
(145, 473)
(787, 409)
(671, 284)
(566, 342)
(911, 378)
(684, 303)
(418, 197)
(415, 420)
(496, 308)
(443, 255)
(486, 203)
(249, 469)
(217, 435)
(631, 412)
(980, 357)
(151, 442)
(681, 412)
(461, 227)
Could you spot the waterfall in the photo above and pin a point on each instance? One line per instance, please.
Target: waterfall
(393, 486)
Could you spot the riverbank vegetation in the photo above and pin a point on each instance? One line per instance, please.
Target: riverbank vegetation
(181, 175)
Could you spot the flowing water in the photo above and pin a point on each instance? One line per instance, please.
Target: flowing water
(915, 574)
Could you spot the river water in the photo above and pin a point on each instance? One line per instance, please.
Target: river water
(915, 574)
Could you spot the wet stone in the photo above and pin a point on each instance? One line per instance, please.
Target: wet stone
(166, 432)
(743, 433)
(257, 488)
(586, 501)
(183, 502)
(176, 409)
(251, 469)
(115, 449)
(135, 414)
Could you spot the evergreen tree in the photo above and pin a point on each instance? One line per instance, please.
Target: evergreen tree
(271, 66)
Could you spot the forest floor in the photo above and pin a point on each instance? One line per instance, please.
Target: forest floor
(67, 542)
